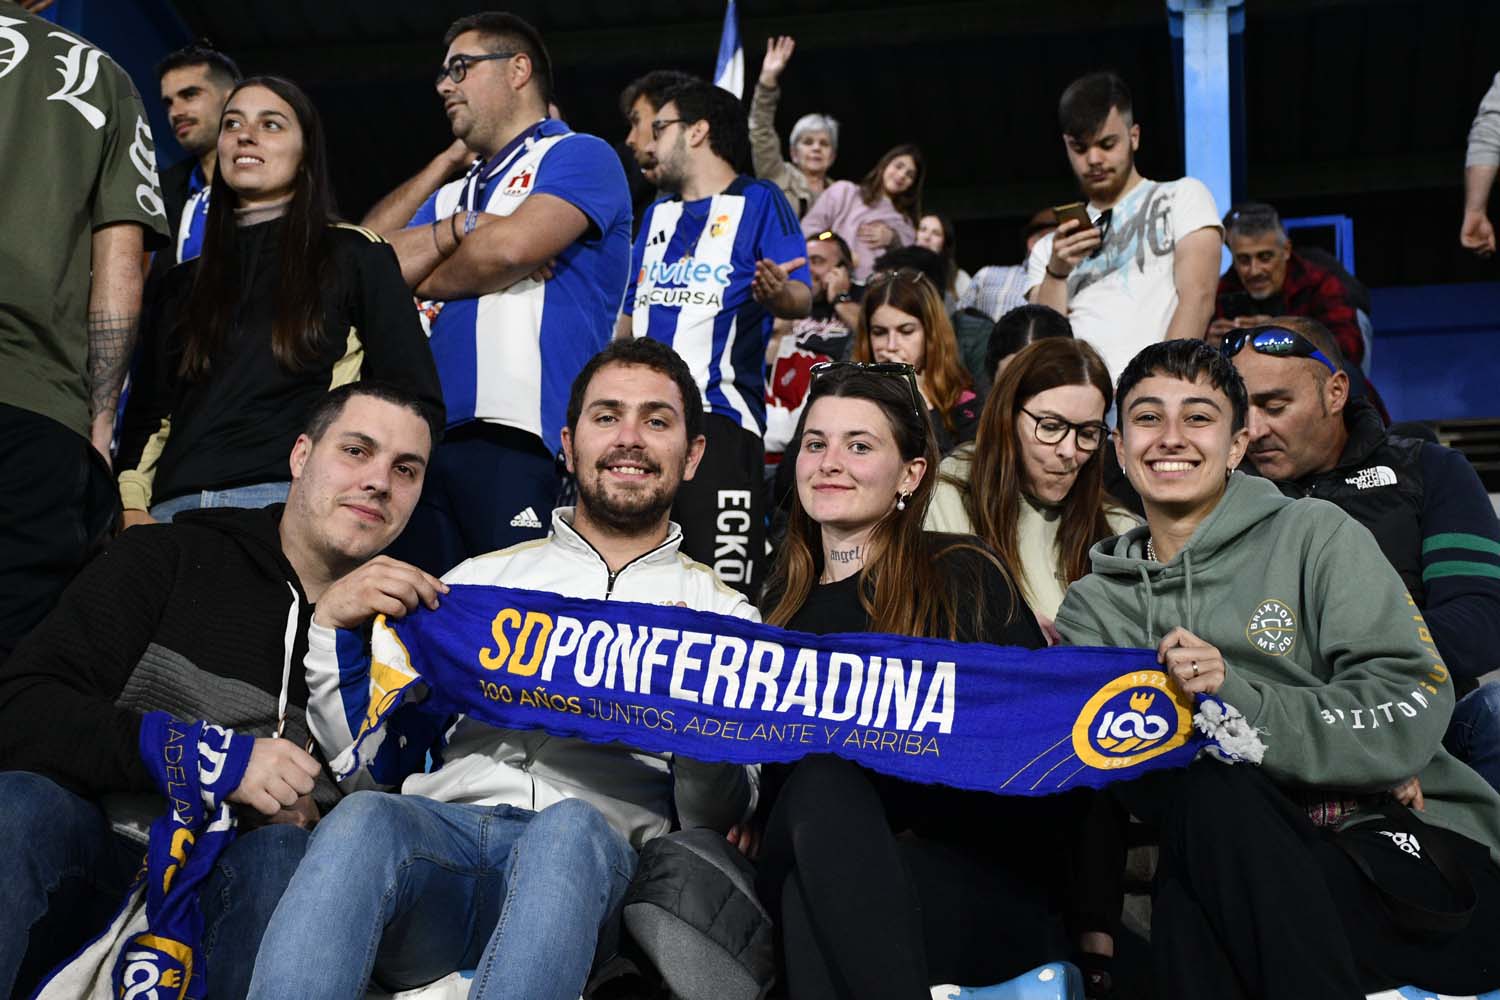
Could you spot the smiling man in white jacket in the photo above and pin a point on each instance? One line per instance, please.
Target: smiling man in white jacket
(513, 857)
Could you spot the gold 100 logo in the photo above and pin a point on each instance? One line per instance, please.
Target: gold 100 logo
(1133, 718)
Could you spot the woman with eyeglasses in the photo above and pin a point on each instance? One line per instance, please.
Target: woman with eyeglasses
(882, 887)
(877, 214)
(902, 321)
(283, 304)
(1030, 485)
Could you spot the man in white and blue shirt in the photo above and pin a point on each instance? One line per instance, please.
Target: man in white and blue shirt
(518, 264)
(714, 264)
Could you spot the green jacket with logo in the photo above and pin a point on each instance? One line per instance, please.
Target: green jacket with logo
(1327, 654)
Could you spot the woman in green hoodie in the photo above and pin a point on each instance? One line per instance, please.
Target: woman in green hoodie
(1302, 877)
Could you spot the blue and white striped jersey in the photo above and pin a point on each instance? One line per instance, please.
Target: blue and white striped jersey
(690, 288)
(510, 357)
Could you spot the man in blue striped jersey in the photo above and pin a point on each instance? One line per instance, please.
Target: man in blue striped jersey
(716, 261)
(519, 262)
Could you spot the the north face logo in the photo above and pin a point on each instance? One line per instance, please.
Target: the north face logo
(1369, 479)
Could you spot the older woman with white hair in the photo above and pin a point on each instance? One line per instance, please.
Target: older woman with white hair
(814, 140)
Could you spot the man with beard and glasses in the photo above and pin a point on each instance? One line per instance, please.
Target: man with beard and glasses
(518, 266)
(514, 855)
(1148, 267)
(716, 261)
(639, 102)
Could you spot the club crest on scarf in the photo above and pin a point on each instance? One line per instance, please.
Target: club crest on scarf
(195, 765)
(1132, 719)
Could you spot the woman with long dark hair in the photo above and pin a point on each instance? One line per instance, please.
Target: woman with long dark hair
(936, 232)
(283, 304)
(877, 214)
(901, 320)
(1031, 484)
(882, 887)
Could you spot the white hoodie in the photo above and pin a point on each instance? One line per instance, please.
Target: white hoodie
(635, 790)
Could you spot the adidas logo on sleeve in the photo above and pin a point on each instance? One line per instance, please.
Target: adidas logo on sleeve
(526, 519)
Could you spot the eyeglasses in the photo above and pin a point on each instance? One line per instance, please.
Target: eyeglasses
(1051, 429)
(458, 66)
(660, 125)
(1277, 341)
(888, 368)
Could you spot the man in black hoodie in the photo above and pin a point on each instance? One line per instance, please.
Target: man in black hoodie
(1423, 503)
(206, 619)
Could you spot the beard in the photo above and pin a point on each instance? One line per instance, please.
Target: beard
(670, 169)
(627, 511)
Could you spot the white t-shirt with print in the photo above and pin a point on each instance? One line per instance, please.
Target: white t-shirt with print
(1122, 298)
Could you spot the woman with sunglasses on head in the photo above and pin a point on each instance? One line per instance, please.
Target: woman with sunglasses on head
(882, 887)
(1307, 876)
(282, 305)
(878, 213)
(901, 321)
(1030, 485)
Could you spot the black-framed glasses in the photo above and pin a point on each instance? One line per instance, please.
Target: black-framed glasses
(891, 369)
(659, 125)
(458, 66)
(1051, 429)
(1277, 341)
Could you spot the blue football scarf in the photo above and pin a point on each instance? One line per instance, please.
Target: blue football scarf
(195, 765)
(716, 688)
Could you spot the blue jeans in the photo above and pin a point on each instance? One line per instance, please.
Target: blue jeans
(64, 874)
(1474, 734)
(252, 496)
(408, 890)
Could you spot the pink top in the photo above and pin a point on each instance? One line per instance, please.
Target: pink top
(842, 210)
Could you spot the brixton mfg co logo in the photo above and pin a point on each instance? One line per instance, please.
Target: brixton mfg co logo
(1272, 628)
(1132, 719)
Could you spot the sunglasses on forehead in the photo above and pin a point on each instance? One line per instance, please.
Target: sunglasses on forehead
(1278, 342)
(889, 369)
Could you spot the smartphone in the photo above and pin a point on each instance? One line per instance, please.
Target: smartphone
(1075, 210)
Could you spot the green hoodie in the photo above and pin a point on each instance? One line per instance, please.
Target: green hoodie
(1327, 655)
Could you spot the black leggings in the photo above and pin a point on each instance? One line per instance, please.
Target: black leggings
(866, 914)
(1252, 900)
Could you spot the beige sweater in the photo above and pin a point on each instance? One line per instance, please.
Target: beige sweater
(1042, 584)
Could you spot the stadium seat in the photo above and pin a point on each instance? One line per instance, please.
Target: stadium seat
(1057, 981)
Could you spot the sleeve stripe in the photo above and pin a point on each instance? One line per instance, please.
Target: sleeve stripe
(1438, 570)
(1461, 540)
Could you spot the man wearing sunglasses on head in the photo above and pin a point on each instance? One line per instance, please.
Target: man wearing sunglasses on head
(518, 264)
(1423, 503)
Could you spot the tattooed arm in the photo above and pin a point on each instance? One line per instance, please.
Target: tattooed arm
(114, 310)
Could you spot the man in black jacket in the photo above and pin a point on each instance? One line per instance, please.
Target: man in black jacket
(205, 619)
(1423, 503)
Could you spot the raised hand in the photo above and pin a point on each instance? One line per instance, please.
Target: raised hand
(779, 50)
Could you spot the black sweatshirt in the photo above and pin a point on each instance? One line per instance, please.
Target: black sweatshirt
(237, 425)
(188, 618)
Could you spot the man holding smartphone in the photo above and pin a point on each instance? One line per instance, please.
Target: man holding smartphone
(1139, 262)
